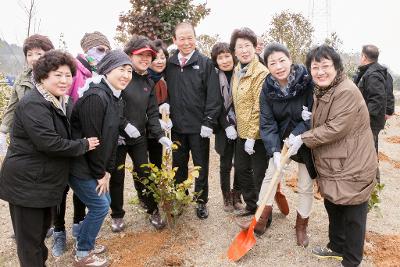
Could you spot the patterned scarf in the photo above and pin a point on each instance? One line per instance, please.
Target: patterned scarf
(227, 96)
(291, 78)
(58, 103)
(320, 91)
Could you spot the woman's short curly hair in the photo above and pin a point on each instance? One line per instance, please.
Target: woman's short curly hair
(244, 33)
(37, 41)
(51, 61)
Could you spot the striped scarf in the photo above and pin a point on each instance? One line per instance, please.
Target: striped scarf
(58, 103)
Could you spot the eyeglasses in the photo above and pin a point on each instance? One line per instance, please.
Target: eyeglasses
(324, 68)
(245, 47)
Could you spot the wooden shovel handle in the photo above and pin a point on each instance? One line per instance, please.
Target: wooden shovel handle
(165, 118)
(272, 186)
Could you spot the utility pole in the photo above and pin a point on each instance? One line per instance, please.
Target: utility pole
(319, 13)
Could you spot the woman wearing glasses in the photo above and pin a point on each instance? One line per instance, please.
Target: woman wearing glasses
(95, 45)
(247, 79)
(343, 150)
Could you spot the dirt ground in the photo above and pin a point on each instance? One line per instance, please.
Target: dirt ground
(196, 242)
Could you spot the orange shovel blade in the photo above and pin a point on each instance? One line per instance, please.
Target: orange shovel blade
(242, 243)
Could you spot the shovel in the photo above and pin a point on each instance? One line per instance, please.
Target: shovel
(245, 240)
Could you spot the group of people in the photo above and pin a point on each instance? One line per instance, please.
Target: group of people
(72, 122)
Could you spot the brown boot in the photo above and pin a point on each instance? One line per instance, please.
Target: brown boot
(228, 206)
(281, 201)
(237, 201)
(264, 221)
(301, 231)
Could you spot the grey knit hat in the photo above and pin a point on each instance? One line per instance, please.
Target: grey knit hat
(93, 39)
(112, 60)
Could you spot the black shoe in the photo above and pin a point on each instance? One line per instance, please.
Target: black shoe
(156, 220)
(201, 210)
(142, 204)
(324, 252)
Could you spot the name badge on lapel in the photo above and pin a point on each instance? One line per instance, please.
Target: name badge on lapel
(196, 67)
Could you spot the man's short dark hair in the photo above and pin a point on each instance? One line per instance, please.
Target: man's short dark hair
(274, 47)
(371, 52)
(220, 48)
(244, 33)
(324, 51)
(182, 25)
(37, 41)
(51, 61)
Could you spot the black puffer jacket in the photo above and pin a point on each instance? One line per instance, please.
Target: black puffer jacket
(371, 80)
(141, 108)
(280, 115)
(194, 93)
(36, 168)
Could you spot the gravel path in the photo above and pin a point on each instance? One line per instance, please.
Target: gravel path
(204, 243)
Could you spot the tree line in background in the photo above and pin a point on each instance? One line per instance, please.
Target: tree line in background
(157, 19)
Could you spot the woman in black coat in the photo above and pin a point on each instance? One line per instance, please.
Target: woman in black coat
(226, 133)
(285, 101)
(35, 171)
(97, 112)
(140, 116)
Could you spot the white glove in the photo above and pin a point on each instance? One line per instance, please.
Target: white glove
(295, 143)
(277, 160)
(206, 132)
(249, 145)
(121, 141)
(305, 114)
(3, 144)
(166, 126)
(231, 132)
(165, 141)
(164, 107)
(132, 131)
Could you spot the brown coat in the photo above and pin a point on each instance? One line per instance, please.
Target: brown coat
(342, 145)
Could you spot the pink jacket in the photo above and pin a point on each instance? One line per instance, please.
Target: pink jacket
(82, 73)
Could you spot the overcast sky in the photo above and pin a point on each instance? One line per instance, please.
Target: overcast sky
(357, 22)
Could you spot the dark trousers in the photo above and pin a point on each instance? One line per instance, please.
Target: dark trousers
(155, 151)
(250, 171)
(30, 227)
(138, 154)
(200, 150)
(58, 212)
(375, 133)
(347, 224)
(225, 167)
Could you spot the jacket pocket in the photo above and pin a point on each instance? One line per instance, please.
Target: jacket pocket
(334, 156)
